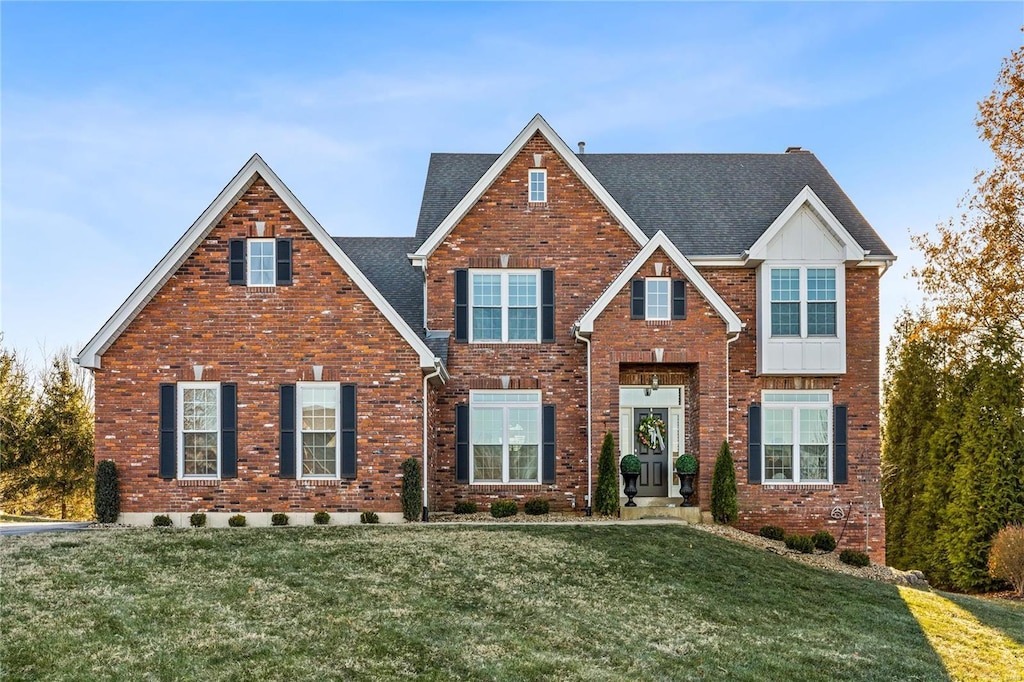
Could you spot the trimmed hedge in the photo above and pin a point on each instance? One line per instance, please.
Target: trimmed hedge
(162, 521)
(197, 520)
(772, 532)
(724, 507)
(801, 543)
(607, 497)
(854, 558)
(237, 521)
(465, 507)
(107, 498)
(503, 508)
(321, 518)
(824, 541)
(536, 507)
(279, 519)
(369, 516)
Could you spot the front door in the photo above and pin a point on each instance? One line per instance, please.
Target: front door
(653, 458)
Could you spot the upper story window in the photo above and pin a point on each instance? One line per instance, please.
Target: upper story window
(319, 426)
(538, 185)
(803, 301)
(505, 306)
(797, 436)
(505, 432)
(199, 429)
(658, 305)
(261, 263)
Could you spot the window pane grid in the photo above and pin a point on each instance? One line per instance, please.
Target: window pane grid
(657, 299)
(538, 185)
(797, 440)
(505, 437)
(200, 429)
(318, 426)
(786, 284)
(261, 262)
(505, 307)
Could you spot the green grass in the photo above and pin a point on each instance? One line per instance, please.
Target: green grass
(14, 518)
(592, 602)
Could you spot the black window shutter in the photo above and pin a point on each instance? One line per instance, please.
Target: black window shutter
(839, 419)
(547, 306)
(637, 309)
(228, 430)
(284, 262)
(348, 431)
(548, 457)
(168, 431)
(462, 305)
(754, 443)
(462, 443)
(236, 261)
(678, 299)
(287, 430)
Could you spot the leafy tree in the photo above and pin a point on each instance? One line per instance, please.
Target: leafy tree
(17, 403)
(724, 507)
(63, 431)
(909, 403)
(607, 498)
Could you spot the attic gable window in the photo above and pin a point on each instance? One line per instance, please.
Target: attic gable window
(261, 263)
(657, 298)
(538, 186)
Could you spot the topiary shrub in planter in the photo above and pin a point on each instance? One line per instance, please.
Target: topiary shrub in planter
(237, 521)
(369, 517)
(107, 498)
(536, 507)
(465, 507)
(606, 500)
(801, 543)
(824, 541)
(321, 518)
(724, 507)
(279, 519)
(197, 520)
(412, 490)
(854, 558)
(162, 521)
(772, 532)
(502, 508)
(1006, 557)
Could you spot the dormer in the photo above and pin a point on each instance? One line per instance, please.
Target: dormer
(801, 289)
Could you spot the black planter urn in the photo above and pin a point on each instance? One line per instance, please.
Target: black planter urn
(630, 488)
(686, 487)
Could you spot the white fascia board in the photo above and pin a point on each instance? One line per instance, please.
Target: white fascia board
(537, 124)
(660, 240)
(731, 261)
(90, 355)
(759, 250)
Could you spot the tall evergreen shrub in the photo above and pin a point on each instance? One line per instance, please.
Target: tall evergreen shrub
(107, 498)
(724, 507)
(607, 497)
(412, 490)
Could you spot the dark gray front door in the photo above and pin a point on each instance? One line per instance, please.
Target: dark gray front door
(653, 462)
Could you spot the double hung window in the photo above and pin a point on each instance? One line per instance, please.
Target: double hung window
(803, 302)
(319, 414)
(505, 436)
(538, 185)
(199, 429)
(505, 306)
(657, 297)
(797, 436)
(261, 268)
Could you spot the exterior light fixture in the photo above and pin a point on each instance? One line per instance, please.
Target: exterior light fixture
(654, 382)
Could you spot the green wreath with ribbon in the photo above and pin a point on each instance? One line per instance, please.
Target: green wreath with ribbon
(651, 432)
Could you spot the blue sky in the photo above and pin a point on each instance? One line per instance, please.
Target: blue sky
(122, 121)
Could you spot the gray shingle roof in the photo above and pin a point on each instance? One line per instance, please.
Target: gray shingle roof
(383, 260)
(707, 204)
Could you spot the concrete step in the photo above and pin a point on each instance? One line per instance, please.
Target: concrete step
(654, 511)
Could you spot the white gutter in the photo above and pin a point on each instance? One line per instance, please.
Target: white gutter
(590, 441)
(728, 397)
(426, 380)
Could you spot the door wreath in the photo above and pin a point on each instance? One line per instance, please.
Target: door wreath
(651, 432)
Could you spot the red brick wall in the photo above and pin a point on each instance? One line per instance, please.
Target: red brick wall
(259, 338)
(576, 236)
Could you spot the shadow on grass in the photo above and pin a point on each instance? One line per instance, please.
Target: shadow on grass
(1004, 615)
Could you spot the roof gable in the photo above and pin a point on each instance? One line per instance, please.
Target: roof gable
(470, 198)
(661, 240)
(256, 167)
(850, 250)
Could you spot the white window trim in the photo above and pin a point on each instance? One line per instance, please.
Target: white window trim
(505, 438)
(803, 267)
(504, 304)
(299, 386)
(248, 260)
(647, 298)
(529, 182)
(796, 480)
(180, 427)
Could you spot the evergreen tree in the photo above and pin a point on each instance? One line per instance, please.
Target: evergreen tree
(63, 470)
(607, 498)
(724, 507)
(17, 404)
(910, 399)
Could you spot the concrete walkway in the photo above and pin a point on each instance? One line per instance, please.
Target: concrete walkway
(42, 527)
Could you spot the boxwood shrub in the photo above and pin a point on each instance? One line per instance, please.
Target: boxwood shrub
(503, 508)
(824, 541)
(162, 521)
(465, 507)
(536, 507)
(197, 520)
(321, 518)
(772, 532)
(279, 519)
(237, 521)
(369, 517)
(801, 543)
(854, 558)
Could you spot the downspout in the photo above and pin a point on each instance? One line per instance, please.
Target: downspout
(590, 441)
(426, 380)
(728, 396)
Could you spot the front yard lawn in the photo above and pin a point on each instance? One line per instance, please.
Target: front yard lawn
(587, 602)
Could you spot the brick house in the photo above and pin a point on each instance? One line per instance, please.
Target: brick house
(548, 297)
